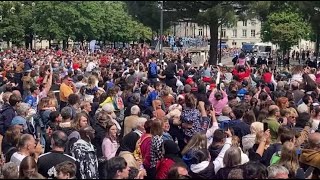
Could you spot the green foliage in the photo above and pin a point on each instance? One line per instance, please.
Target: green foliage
(63, 20)
(285, 29)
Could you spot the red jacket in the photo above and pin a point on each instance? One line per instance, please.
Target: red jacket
(267, 77)
(145, 149)
(163, 167)
(241, 75)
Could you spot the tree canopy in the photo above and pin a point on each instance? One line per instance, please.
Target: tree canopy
(64, 20)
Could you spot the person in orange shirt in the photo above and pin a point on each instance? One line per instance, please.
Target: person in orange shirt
(67, 87)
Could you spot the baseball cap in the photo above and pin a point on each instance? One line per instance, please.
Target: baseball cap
(18, 120)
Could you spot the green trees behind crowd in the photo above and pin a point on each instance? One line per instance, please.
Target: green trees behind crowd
(79, 21)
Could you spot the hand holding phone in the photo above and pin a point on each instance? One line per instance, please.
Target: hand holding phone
(265, 126)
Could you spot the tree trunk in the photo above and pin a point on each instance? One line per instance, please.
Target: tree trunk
(8, 44)
(26, 42)
(64, 44)
(49, 43)
(114, 44)
(30, 41)
(213, 43)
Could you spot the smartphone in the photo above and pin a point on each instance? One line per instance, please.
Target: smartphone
(265, 126)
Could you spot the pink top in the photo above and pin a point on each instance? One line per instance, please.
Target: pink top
(109, 148)
(218, 105)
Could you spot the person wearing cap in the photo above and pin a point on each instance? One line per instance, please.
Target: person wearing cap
(22, 110)
(243, 91)
(66, 88)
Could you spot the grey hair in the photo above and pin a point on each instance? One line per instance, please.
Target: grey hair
(275, 169)
(232, 157)
(135, 110)
(22, 109)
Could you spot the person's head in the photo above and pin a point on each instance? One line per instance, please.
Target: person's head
(27, 167)
(289, 158)
(198, 141)
(227, 111)
(44, 103)
(73, 99)
(144, 89)
(27, 143)
(254, 170)
(87, 133)
(111, 131)
(307, 99)
(200, 155)
(232, 157)
(238, 111)
(274, 111)
(58, 140)
(314, 141)
(147, 126)
(10, 171)
(178, 171)
(135, 110)
(67, 80)
(191, 101)
(86, 106)
(35, 90)
(156, 128)
(170, 148)
(55, 117)
(218, 95)
(218, 137)
(80, 121)
(6, 96)
(295, 85)
(302, 119)
(236, 173)
(66, 170)
(66, 113)
(22, 109)
(158, 86)
(248, 96)
(285, 134)
(276, 171)
(117, 168)
(249, 117)
(256, 127)
(282, 102)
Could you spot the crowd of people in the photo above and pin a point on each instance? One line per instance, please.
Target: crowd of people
(125, 114)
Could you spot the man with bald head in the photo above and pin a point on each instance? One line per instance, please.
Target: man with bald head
(227, 114)
(311, 157)
(272, 120)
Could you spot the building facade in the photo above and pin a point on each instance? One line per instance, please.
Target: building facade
(248, 31)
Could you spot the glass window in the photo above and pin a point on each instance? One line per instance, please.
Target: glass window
(234, 33)
(253, 33)
(244, 33)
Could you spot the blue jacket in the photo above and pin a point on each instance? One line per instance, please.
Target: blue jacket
(7, 113)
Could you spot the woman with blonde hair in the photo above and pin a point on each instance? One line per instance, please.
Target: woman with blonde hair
(249, 140)
(289, 158)
(198, 141)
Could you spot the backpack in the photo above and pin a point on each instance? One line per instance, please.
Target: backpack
(152, 70)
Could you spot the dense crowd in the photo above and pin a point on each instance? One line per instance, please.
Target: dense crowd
(123, 113)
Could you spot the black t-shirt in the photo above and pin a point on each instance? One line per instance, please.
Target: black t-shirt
(48, 161)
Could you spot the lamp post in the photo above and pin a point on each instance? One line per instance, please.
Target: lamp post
(161, 30)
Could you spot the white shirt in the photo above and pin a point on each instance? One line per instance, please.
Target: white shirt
(90, 67)
(17, 158)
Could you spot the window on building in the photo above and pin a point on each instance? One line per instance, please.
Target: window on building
(253, 22)
(234, 43)
(200, 32)
(234, 33)
(244, 33)
(223, 33)
(244, 23)
(253, 33)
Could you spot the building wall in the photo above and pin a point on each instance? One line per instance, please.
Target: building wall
(244, 32)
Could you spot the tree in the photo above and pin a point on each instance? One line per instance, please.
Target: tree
(284, 28)
(11, 28)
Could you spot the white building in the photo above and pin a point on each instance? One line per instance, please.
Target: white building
(244, 32)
